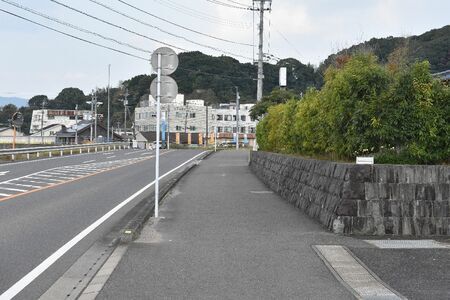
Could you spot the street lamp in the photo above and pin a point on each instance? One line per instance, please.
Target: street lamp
(94, 104)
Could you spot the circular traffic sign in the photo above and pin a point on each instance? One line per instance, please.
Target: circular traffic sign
(169, 60)
(17, 119)
(169, 89)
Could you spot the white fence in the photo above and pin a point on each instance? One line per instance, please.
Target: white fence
(29, 140)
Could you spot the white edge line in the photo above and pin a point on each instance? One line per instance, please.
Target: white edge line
(38, 270)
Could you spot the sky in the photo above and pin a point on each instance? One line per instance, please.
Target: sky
(35, 60)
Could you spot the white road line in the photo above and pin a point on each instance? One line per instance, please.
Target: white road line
(111, 156)
(13, 190)
(49, 179)
(49, 261)
(4, 173)
(353, 274)
(25, 185)
(135, 152)
(88, 161)
(4, 195)
(34, 181)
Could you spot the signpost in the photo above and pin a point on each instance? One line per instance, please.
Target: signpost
(164, 89)
(16, 121)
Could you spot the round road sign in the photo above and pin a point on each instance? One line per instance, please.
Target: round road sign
(169, 89)
(169, 60)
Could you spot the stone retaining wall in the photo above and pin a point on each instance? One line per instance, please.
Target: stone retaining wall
(362, 199)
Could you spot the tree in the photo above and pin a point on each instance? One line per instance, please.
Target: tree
(6, 113)
(68, 98)
(277, 96)
(36, 101)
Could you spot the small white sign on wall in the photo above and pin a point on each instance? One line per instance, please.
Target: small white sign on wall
(360, 160)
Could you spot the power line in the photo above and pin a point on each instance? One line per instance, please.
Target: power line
(183, 27)
(74, 37)
(238, 3)
(117, 26)
(167, 32)
(200, 15)
(74, 26)
(228, 5)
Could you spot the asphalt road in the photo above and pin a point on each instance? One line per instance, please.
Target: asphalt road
(44, 204)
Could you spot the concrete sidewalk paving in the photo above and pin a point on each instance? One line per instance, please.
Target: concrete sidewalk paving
(223, 235)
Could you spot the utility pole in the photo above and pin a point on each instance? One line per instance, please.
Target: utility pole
(42, 122)
(92, 114)
(125, 103)
(207, 129)
(237, 117)
(76, 124)
(261, 10)
(109, 105)
(168, 126)
(95, 107)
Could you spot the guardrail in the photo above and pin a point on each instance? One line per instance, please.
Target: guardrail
(28, 153)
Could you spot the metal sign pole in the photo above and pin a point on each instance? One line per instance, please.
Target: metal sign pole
(158, 120)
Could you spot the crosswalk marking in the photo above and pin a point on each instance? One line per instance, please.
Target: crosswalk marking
(58, 175)
(11, 189)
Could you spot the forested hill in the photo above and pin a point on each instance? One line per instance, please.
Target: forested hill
(201, 76)
(433, 46)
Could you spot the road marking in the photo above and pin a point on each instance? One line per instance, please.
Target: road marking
(135, 152)
(111, 156)
(261, 192)
(88, 161)
(11, 189)
(25, 185)
(49, 261)
(352, 273)
(5, 195)
(4, 173)
(408, 244)
(94, 169)
(48, 179)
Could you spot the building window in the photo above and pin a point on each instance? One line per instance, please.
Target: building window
(51, 117)
(243, 118)
(219, 129)
(178, 128)
(243, 130)
(219, 117)
(228, 118)
(192, 128)
(252, 129)
(227, 129)
(234, 117)
(192, 115)
(153, 115)
(179, 114)
(213, 117)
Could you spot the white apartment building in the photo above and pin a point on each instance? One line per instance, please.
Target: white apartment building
(194, 117)
(46, 117)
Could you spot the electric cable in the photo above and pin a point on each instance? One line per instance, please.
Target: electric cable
(74, 26)
(74, 37)
(181, 26)
(117, 26)
(167, 32)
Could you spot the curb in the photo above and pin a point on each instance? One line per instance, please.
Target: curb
(144, 210)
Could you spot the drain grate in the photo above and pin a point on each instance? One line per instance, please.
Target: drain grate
(408, 244)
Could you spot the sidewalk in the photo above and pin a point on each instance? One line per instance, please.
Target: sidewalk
(223, 235)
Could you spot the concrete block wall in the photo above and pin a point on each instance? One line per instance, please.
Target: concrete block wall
(362, 199)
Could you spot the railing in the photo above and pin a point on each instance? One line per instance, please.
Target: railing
(37, 152)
